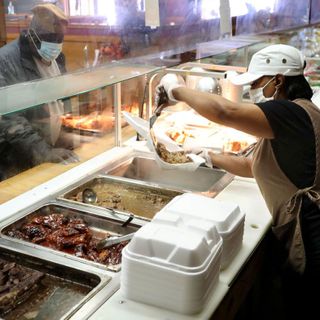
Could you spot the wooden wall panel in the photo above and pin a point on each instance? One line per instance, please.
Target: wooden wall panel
(2, 24)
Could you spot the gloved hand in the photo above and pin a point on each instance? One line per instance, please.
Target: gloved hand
(203, 153)
(60, 155)
(169, 82)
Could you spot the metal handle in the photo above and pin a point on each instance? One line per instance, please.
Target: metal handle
(107, 242)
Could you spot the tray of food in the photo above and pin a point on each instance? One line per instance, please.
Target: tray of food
(71, 232)
(116, 193)
(36, 288)
(93, 123)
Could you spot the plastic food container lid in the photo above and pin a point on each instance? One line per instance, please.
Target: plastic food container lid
(193, 206)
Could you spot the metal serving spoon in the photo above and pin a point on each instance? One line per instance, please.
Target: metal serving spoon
(160, 103)
(107, 242)
(89, 196)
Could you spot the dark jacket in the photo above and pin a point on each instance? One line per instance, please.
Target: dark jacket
(21, 145)
(17, 64)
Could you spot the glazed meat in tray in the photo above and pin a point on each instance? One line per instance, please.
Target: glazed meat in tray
(73, 232)
(31, 288)
(126, 196)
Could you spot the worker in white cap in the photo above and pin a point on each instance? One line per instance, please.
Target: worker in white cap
(285, 161)
(33, 136)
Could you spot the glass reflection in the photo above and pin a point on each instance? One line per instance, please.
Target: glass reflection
(101, 31)
(273, 15)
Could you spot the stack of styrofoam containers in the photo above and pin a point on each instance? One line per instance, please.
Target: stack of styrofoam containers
(226, 216)
(172, 264)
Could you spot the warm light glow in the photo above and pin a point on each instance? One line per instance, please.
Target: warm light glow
(262, 4)
(81, 8)
(86, 8)
(238, 7)
(210, 9)
(108, 9)
(141, 5)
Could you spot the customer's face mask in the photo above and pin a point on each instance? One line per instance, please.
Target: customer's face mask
(48, 51)
(257, 95)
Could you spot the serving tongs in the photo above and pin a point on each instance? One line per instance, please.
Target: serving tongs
(111, 241)
(161, 102)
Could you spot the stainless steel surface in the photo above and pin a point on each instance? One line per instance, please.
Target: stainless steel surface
(107, 242)
(101, 225)
(117, 113)
(122, 195)
(146, 169)
(89, 196)
(62, 268)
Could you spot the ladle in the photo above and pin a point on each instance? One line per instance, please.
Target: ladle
(89, 196)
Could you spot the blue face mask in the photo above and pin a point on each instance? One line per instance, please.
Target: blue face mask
(48, 51)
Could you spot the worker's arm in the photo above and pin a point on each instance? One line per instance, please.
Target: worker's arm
(246, 117)
(239, 166)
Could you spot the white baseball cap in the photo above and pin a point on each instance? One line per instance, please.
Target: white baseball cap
(270, 61)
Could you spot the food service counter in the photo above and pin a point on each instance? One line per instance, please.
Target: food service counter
(110, 302)
(244, 192)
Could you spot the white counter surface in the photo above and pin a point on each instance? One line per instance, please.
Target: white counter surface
(246, 194)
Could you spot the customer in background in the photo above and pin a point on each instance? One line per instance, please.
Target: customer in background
(34, 136)
(285, 162)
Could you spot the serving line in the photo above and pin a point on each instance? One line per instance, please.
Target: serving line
(244, 192)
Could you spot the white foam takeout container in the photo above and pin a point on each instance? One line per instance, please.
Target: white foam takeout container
(142, 127)
(226, 216)
(172, 265)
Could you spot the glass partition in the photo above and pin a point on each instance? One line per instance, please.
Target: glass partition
(273, 15)
(59, 109)
(315, 11)
(26, 95)
(100, 31)
(45, 140)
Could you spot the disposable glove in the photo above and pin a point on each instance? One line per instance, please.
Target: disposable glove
(171, 81)
(203, 153)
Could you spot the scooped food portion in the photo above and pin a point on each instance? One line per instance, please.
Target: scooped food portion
(67, 234)
(171, 157)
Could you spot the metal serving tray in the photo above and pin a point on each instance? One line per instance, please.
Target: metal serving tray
(115, 193)
(100, 224)
(144, 168)
(65, 287)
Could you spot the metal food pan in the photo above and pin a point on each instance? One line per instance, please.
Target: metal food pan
(145, 168)
(39, 288)
(116, 193)
(100, 226)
